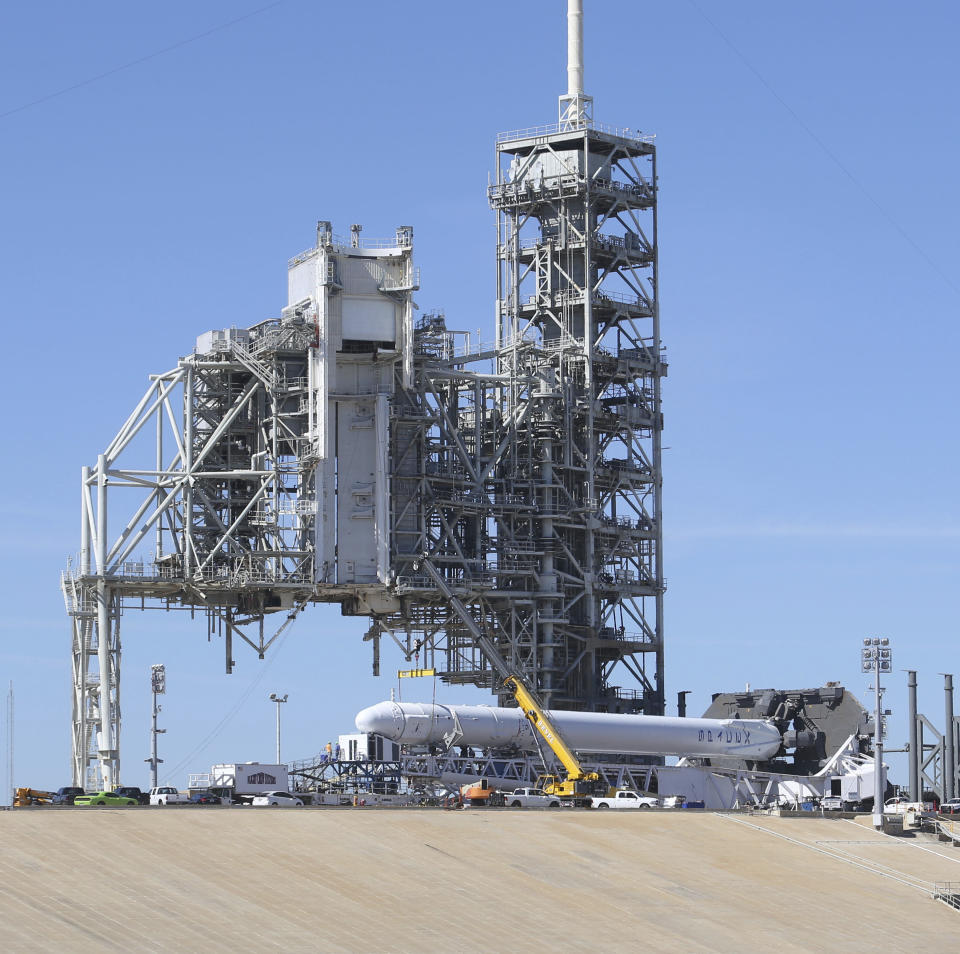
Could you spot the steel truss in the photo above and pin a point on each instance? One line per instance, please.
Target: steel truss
(536, 489)
(225, 495)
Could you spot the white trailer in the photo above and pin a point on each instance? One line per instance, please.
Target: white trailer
(249, 778)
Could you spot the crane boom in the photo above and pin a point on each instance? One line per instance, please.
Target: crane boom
(541, 722)
(577, 783)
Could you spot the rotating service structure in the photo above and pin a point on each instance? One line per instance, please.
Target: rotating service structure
(249, 480)
(454, 490)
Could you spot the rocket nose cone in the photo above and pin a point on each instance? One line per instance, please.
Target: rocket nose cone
(385, 718)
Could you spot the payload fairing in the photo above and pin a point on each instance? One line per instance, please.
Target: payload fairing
(487, 726)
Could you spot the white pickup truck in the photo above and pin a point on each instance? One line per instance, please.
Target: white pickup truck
(625, 799)
(900, 806)
(530, 798)
(167, 795)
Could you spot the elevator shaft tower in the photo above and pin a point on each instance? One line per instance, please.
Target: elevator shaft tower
(577, 312)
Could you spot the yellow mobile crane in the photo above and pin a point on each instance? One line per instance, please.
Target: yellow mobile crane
(31, 796)
(578, 784)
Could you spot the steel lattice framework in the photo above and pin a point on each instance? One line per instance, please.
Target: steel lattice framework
(535, 490)
(454, 492)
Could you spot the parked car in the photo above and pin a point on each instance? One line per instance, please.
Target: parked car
(950, 807)
(131, 791)
(204, 798)
(835, 803)
(66, 795)
(103, 798)
(167, 795)
(277, 799)
(531, 798)
(625, 799)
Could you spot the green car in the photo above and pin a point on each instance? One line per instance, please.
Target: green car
(104, 798)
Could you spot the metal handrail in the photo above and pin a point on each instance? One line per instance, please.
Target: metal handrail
(375, 243)
(547, 129)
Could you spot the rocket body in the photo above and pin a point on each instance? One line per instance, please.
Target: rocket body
(487, 726)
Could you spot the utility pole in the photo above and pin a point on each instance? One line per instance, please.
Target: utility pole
(877, 657)
(949, 769)
(158, 683)
(10, 784)
(278, 700)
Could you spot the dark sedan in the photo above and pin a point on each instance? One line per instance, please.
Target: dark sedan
(204, 798)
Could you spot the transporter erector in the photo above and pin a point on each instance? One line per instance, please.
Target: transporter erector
(421, 723)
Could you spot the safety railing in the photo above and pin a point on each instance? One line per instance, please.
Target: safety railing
(353, 242)
(948, 892)
(548, 129)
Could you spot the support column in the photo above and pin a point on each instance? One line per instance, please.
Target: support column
(105, 742)
(548, 579)
(188, 400)
(915, 756)
(81, 625)
(949, 752)
(878, 774)
(153, 760)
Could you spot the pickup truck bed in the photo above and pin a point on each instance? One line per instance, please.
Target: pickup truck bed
(623, 800)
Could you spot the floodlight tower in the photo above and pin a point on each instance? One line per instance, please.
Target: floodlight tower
(578, 342)
(278, 701)
(158, 686)
(876, 657)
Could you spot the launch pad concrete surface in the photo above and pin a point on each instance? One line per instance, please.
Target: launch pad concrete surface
(421, 880)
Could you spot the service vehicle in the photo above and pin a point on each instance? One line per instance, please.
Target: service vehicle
(103, 798)
(31, 796)
(167, 795)
(578, 785)
(900, 805)
(623, 799)
(950, 807)
(480, 793)
(66, 795)
(530, 798)
(277, 800)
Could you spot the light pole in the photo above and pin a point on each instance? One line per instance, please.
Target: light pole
(876, 656)
(278, 699)
(158, 683)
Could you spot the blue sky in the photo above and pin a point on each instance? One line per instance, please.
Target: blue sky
(809, 293)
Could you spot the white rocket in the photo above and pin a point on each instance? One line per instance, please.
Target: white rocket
(486, 726)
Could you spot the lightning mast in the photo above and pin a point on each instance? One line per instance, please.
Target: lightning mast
(578, 329)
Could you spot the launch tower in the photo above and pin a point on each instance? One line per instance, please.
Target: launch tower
(454, 491)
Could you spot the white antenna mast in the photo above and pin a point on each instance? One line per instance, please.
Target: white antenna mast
(576, 108)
